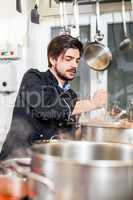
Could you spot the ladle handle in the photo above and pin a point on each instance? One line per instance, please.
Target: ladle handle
(44, 180)
(65, 16)
(99, 36)
(132, 9)
(61, 15)
(97, 16)
(124, 18)
(76, 17)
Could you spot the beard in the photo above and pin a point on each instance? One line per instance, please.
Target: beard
(63, 76)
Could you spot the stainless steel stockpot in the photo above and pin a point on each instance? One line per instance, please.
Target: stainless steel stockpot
(106, 132)
(81, 170)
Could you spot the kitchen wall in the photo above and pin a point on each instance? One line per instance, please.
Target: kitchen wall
(31, 39)
(13, 33)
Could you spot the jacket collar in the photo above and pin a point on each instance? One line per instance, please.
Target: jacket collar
(52, 77)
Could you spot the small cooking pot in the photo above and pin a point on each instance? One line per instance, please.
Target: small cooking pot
(18, 182)
(96, 54)
(13, 186)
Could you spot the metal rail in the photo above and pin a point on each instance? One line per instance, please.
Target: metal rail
(86, 2)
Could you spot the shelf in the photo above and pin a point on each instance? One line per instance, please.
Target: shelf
(86, 2)
(9, 58)
(11, 54)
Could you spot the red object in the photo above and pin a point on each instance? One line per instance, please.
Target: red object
(11, 52)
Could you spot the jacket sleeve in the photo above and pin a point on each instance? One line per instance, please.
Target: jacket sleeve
(45, 102)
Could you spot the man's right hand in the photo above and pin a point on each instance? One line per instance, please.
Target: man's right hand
(99, 99)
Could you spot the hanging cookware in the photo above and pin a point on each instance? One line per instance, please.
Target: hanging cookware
(63, 19)
(126, 43)
(18, 6)
(74, 29)
(97, 55)
(35, 14)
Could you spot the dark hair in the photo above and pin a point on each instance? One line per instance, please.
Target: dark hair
(60, 44)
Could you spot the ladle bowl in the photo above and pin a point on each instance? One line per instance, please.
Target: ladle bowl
(125, 44)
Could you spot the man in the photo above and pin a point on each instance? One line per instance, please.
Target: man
(45, 105)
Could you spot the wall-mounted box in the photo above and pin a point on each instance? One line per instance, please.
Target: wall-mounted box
(8, 77)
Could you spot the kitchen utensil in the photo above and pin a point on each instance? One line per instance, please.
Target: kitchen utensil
(63, 19)
(12, 186)
(85, 170)
(126, 43)
(96, 54)
(18, 6)
(75, 31)
(132, 8)
(14, 171)
(34, 14)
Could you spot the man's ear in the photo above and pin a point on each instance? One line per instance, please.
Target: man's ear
(52, 61)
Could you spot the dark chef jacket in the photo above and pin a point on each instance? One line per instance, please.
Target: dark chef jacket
(42, 109)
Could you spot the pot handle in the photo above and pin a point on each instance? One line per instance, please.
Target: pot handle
(44, 180)
(28, 174)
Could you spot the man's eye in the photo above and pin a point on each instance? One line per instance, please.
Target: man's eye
(68, 59)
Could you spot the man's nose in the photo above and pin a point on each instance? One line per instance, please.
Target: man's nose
(75, 64)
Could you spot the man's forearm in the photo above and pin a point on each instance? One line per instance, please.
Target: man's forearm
(83, 106)
(99, 100)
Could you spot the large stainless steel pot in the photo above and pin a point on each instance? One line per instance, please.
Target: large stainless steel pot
(106, 132)
(82, 170)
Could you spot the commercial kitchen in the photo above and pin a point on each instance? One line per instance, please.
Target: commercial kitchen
(95, 161)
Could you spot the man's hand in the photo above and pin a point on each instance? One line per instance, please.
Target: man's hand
(99, 99)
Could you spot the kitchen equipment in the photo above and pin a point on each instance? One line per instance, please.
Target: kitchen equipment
(8, 82)
(64, 28)
(75, 29)
(12, 185)
(16, 179)
(96, 54)
(18, 6)
(107, 132)
(125, 44)
(34, 13)
(84, 170)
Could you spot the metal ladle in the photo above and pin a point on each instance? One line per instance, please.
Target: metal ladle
(126, 43)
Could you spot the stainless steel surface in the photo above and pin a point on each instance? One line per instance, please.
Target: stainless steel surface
(125, 44)
(84, 170)
(15, 175)
(25, 161)
(96, 55)
(106, 133)
(12, 186)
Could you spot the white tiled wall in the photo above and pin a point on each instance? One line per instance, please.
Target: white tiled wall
(34, 51)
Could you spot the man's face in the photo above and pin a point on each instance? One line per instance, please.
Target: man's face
(66, 64)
